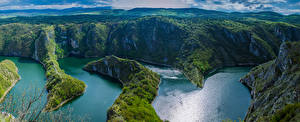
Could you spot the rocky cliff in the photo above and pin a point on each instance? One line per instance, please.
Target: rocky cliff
(274, 85)
(8, 77)
(196, 46)
(61, 87)
(140, 87)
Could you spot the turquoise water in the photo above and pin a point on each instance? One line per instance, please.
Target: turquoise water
(100, 94)
(32, 81)
(222, 97)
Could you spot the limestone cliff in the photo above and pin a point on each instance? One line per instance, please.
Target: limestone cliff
(196, 46)
(61, 87)
(275, 84)
(140, 87)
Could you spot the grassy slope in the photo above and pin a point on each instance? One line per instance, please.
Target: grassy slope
(139, 88)
(8, 77)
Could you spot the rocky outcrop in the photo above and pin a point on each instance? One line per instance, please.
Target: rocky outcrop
(8, 77)
(61, 87)
(195, 46)
(275, 84)
(140, 87)
(115, 67)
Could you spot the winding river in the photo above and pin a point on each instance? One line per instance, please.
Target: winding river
(32, 81)
(222, 97)
(100, 94)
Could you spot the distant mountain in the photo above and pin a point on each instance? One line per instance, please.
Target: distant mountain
(37, 12)
(182, 12)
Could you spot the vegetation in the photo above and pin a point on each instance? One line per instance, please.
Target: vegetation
(274, 84)
(290, 112)
(139, 88)
(8, 77)
(61, 87)
(29, 107)
(196, 42)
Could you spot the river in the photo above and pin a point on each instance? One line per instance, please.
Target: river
(222, 97)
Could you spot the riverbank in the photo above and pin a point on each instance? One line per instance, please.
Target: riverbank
(8, 77)
(140, 87)
(221, 98)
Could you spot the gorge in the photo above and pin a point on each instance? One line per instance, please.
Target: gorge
(196, 45)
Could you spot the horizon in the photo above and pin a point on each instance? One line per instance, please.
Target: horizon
(109, 8)
(285, 7)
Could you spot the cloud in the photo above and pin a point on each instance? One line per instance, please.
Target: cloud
(4, 1)
(129, 4)
(281, 6)
(62, 6)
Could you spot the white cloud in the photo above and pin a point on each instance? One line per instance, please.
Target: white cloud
(267, 1)
(225, 5)
(286, 11)
(246, 6)
(62, 6)
(4, 1)
(281, 6)
(129, 4)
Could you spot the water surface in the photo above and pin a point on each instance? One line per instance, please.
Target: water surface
(222, 97)
(100, 94)
(32, 81)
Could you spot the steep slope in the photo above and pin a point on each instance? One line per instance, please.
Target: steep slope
(275, 84)
(139, 88)
(37, 42)
(8, 77)
(18, 39)
(61, 87)
(196, 46)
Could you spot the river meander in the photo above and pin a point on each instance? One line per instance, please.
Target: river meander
(222, 97)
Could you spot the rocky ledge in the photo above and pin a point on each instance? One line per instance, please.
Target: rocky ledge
(275, 87)
(139, 88)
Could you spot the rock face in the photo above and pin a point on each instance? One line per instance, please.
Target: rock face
(140, 87)
(115, 67)
(194, 46)
(275, 84)
(61, 87)
(8, 77)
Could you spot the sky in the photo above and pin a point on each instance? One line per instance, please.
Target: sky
(279, 6)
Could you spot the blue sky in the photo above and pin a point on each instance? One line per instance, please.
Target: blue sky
(280, 6)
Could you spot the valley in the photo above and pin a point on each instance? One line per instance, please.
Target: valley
(200, 46)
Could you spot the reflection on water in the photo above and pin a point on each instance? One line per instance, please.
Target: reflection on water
(223, 96)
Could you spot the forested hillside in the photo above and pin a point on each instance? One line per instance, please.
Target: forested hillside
(196, 44)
